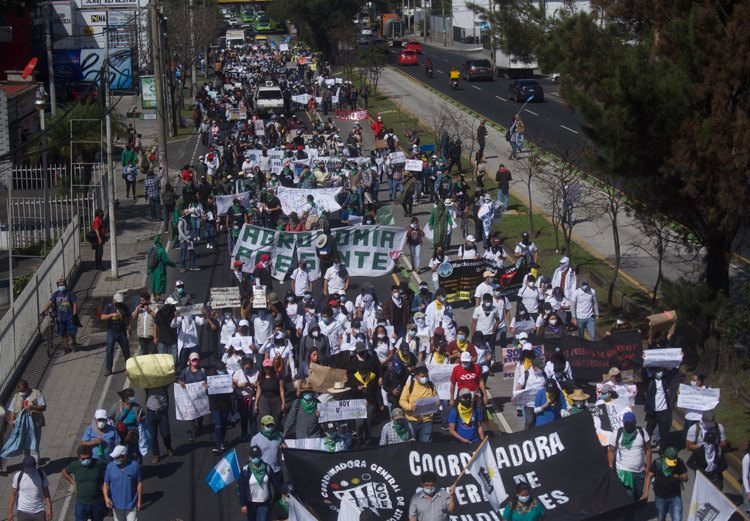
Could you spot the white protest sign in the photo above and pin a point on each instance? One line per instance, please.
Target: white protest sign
(413, 165)
(283, 47)
(294, 199)
(330, 82)
(301, 98)
(697, 398)
(219, 384)
(259, 296)
(335, 410)
(224, 202)
(195, 309)
(525, 396)
(625, 393)
(426, 406)
(667, 358)
(440, 376)
(259, 128)
(398, 157)
(241, 343)
(225, 297)
(191, 401)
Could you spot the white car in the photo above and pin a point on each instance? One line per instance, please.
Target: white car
(268, 98)
(366, 32)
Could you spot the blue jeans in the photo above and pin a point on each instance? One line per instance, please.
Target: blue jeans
(587, 324)
(158, 422)
(94, 510)
(163, 348)
(394, 186)
(502, 198)
(195, 222)
(673, 505)
(210, 233)
(422, 431)
(258, 511)
(121, 337)
(184, 253)
(220, 427)
(154, 204)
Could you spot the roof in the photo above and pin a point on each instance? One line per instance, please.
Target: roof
(14, 89)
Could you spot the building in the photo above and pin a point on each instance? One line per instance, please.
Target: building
(19, 119)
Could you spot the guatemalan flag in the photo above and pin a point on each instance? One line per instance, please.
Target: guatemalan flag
(225, 472)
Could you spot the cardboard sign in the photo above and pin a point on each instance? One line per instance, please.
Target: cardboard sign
(335, 410)
(228, 297)
(195, 309)
(698, 398)
(322, 378)
(220, 384)
(666, 358)
(426, 406)
(413, 165)
(259, 297)
(511, 356)
(397, 158)
(440, 376)
(190, 402)
(525, 396)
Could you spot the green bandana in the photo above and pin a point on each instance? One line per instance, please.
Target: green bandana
(401, 429)
(309, 407)
(627, 478)
(330, 443)
(258, 472)
(665, 468)
(275, 435)
(284, 505)
(628, 439)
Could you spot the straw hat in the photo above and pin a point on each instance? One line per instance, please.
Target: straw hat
(579, 396)
(338, 387)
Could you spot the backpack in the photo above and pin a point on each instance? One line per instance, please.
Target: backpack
(167, 197)
(20, 475)
(619, 435)
(697, 459)
(152, 260)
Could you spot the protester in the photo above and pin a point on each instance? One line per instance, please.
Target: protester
(157, 268)
(533, 378)
(419, 387)
(86, 474)
(29, 493)
(429, 503)
(465, 419)
(245, 380)
(629, 454)
(33, 403)
(398, 430)
(97, 226)
(193, 373)
(143, 318)
(254, 487)
(123, 489)
(302, 420)
(100, 436)
(127, 415)
(157, 420)
(660, 397)
(585, 310)
(270, 399)
(64, 305)
(280, 509)
(524, 507)
(707, 440)
(269, 441)
(117, 315)
(668, 473)
(548, 404)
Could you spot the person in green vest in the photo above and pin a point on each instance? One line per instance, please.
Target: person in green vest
(158, 269)
(441, 223)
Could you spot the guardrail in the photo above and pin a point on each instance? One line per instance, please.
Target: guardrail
(19, 329)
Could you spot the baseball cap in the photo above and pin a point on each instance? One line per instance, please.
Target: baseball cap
(244, 323)
(267, 420)
(523, 336)
(397, 414)
(464, 392)
(29, 462)
(255, 452)
(179, 283)
(194, 356)
(628, 417)
(100, 414)
(439, 331)
(287, 488)
(117, 452)
(118, 298)
(466, 356)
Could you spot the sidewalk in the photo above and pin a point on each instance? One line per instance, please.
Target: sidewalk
(74, 385)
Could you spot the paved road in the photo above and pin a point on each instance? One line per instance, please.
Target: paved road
(550, 124)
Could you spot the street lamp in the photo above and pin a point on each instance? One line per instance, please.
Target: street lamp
(41, 104)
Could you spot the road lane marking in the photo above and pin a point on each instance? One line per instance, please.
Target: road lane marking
(568, 128)
(438, 70)
(498, 97)
(531, 112)
(476, 87)
(446, 61)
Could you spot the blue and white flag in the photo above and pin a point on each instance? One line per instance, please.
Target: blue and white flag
(287, 39)
(226, 471)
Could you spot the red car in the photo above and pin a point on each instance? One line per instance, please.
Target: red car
(413, 45)
(408, 58)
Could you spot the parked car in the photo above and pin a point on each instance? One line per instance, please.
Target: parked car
(413, 45)
(407, 57)
(477, 70)
(522, 90)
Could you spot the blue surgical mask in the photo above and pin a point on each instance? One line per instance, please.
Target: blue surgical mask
(85, 462)
(131, 400)
(461, 337)
(659, 374)
(60, 288)
(308, 397)
(430, 491)
(256, 461)
(524, 499)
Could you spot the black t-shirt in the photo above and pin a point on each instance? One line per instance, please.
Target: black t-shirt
(666, 487)
(503, 180)
(237, 217)
(166, 334)
(120, 323)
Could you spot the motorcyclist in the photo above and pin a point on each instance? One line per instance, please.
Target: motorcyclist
(455, 75)
(428, 66)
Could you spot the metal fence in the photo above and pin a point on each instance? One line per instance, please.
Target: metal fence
(19, 327)
(32, 177)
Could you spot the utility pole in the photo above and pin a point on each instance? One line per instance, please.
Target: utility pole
(445, 25)
(110, 170)
(491, 31)
(50, 61)
(40, 105)
(193, 53)
(159, 79)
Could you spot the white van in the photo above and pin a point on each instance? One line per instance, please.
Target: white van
(268, 98)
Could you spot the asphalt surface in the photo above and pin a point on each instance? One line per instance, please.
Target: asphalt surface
(550, 124)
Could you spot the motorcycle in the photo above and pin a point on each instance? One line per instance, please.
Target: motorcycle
(428, 71)
(454, 83)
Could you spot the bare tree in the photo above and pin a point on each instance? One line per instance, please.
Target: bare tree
(530, 168)
(608, 200)
(437, 119)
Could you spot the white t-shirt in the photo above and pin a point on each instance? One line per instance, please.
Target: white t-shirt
(240, 376)
(335, 280)
(30, 491)
(634, 458)
(485, 321)
(232, 362)
(301, 281)
(483, 288)
(660, 401)
(530, 298)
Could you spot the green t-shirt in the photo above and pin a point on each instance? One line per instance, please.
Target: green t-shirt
(534, 512)
(88, 480)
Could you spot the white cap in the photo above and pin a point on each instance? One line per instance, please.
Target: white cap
(100, 414)
(564, 260)
(179, 283)
(527, 347)
(244, 322)
(118, 298)
(118, 451)
(466, 356)
(470, 238)
(523, 336)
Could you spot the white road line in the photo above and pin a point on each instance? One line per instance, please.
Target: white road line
(446, 61)
(531, 112)
(476, 87)
(439, 71)
(566, 128)
(503, 99)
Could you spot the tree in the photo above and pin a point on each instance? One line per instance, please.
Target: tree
(608, 200)
(531, 167)
(665, 101)
(655, 240)
(316, 19)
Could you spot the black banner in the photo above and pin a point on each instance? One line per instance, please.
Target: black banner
(462, 278)
(590, 360)
(562, 462)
